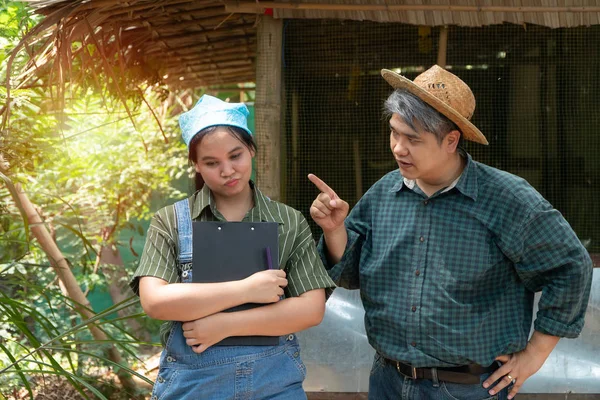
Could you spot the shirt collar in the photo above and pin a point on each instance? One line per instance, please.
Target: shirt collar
(262, 204)
(466, 183)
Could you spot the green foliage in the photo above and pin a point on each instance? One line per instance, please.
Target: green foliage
(15, 18)
(36, 341)
(92, 166)
(100, 175)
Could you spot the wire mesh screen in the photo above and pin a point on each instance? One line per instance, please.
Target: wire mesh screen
(537, 100)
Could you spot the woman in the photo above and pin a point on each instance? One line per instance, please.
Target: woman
(221, 149)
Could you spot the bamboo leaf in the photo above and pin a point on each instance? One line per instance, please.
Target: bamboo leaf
(107, 361)
(18, 368)
(41, 347)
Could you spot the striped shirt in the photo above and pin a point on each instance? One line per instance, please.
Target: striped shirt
(297, 251)
(450, 279)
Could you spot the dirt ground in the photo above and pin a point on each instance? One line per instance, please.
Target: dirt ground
(51, 387)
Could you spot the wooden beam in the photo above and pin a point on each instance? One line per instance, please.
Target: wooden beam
(157, 15)
(214, 74)
(239, 58)
(191, 83)
(254, 7)
(225, 31)
(212, 54)
(268, 104)
(208, 44)
(214, 21)
(115, 10)
(209, 66)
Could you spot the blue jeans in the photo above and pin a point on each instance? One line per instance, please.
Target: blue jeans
(230, 372)
(386, 383)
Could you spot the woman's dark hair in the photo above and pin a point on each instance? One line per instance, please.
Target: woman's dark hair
(238, 133)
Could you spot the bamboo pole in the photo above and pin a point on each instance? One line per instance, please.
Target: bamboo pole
(260, 6)
(65, 275)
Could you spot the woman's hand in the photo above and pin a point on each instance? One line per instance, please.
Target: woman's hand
(265, 286)
(205, 332)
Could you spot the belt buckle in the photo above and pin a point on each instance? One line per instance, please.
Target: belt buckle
(413, 371)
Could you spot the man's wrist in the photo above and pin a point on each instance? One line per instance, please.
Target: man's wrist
(337, 232)
(542, 343)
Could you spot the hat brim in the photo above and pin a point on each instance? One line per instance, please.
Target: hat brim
(468, 130)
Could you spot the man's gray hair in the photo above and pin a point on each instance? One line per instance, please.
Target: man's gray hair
(414, 110)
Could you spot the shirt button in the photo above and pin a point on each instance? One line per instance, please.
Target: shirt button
(414, 308)
(422, 239)
(417, 272)
(413, 344)
(426, 202)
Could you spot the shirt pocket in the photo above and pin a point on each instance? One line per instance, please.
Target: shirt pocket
(468, 254)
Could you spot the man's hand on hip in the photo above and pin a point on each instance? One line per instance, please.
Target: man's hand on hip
(518, 367)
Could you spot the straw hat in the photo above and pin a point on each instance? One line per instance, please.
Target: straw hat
(446, 93)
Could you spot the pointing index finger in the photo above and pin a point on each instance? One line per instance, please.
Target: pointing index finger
(322, 186)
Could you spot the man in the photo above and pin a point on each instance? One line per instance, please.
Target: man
(448, 253)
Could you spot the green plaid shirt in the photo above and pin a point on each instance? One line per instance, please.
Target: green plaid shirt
(450, 279)
(297, 251)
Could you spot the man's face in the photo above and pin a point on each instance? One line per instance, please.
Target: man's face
(418, 153)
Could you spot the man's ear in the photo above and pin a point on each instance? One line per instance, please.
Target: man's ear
(452, 139)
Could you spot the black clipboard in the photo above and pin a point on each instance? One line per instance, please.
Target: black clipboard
(230, 251)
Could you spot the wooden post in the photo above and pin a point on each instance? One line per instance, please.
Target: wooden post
(442, 47)
(268, 105)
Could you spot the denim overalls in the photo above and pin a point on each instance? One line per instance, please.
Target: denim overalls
(224, 372)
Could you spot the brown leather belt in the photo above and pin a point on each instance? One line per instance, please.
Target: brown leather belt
(464, 374)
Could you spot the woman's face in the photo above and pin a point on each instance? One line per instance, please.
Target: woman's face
(224, 162)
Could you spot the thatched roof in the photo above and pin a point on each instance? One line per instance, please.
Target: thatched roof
(190, 43)
(183, 43)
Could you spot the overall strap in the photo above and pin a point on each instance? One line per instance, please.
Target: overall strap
(184, 228)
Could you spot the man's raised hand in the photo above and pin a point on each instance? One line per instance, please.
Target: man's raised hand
(328, 210)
